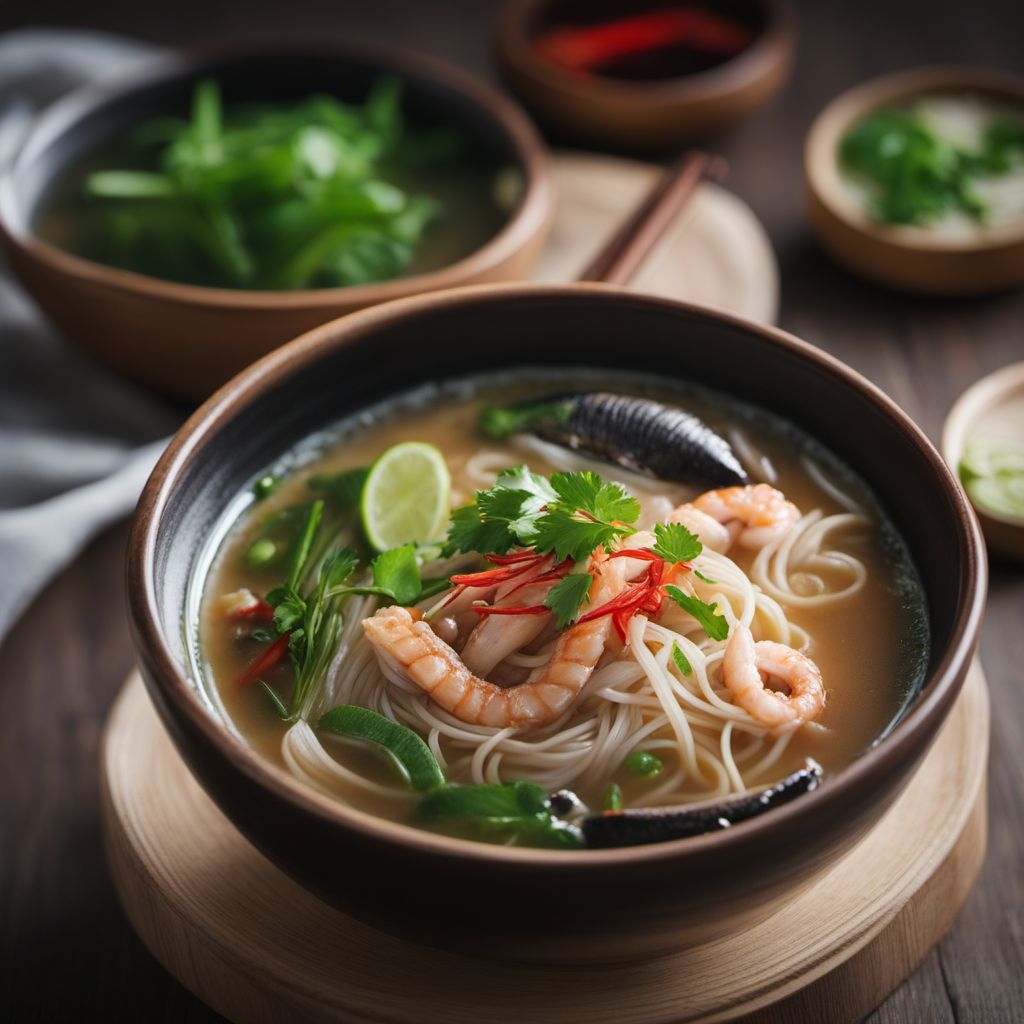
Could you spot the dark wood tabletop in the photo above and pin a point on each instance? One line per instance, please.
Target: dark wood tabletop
(67, 952)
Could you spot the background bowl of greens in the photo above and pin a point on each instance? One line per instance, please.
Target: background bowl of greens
(184, 221)
(916, 179)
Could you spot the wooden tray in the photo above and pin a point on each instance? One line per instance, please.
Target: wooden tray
(258, 948)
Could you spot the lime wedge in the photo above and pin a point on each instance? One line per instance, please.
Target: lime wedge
(406, 496)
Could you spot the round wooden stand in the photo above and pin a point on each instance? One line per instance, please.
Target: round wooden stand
(256, 947)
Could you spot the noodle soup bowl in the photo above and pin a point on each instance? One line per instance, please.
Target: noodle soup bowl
(531, 903)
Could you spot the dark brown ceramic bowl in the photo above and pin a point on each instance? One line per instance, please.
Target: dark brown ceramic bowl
(655, 115)
(520, 902)
(185, 340)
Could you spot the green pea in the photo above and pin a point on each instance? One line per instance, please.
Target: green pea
(644, 763)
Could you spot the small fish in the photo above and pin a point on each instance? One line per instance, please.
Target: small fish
(635, 433)
(659, 824)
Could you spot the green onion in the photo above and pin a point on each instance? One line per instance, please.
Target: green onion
(644, 764)
(613, 798)
(408, 752)
(275, 701)
(265, 486)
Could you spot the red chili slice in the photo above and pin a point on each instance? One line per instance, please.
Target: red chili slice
(265, 662)
(526, 609)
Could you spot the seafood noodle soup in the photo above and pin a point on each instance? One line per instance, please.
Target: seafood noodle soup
(561, 610)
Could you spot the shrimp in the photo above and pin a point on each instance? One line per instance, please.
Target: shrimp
(498, 636)
(747, 665)
(426, 660)
(755, 515)
(710, 532)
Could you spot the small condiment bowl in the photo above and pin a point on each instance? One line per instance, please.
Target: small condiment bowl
(998, 395)
(657, 115)
(516, 902)
(907, 257)
(186, 340)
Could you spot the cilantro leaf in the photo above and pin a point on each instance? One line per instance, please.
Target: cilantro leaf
(716, 626)
(675, 543)
(589, 493)
(289, 609)
(680, 659)
(566, 597)
(398, 572)
(561, 531)
(468, 532)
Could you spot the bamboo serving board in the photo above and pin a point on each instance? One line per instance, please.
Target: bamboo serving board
(256, 947)
(716, 254)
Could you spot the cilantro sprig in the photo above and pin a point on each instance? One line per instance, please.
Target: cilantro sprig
(715, 625)
(675, 543)
(569, 516)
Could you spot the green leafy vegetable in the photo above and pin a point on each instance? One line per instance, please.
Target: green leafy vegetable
(613, 798)
(569, 516)
(590, 513)
(701, 576)
(566, 597)
(715, 625)
(920, 176)
(406, 750)
(500, 421)
(680, 659)
(675, 543)
(275, 701)
(398, 573)
(517, 810)
(268, 196)
(644, 764)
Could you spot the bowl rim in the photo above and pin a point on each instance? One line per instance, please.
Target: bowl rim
(773, 46)
(530, 214)
(821, 167)
(261, 377)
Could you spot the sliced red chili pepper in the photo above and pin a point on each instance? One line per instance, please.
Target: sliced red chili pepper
(265, 662)
(647, 556)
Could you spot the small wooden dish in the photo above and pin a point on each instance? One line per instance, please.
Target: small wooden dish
(999, 395)
(911, 258)
(185, 340)
(656, 115)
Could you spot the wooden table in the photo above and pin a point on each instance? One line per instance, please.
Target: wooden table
(67, 953)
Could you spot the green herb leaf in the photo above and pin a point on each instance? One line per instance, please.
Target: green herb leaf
(613, 798)
(500, 421)
(587, 492)
(467, 531)
(566, 597)
(512, 809)
(406, 750)
(716, 626)
(701, 576)
(275, 701)
(644, 763)
(680, 659)
(398, 572)
(675, 543)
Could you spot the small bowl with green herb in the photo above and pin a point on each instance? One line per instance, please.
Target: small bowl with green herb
(183, 222)
(916, 180)
(983, 440)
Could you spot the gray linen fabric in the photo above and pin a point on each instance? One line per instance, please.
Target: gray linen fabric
(76, 443)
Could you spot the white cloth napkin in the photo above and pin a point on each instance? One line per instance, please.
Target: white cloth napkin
(76, 443)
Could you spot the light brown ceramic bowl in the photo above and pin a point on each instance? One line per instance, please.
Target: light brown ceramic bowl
(516, 902)
(185, 340)
(999, 397)
(657, 116)
(911, 258)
